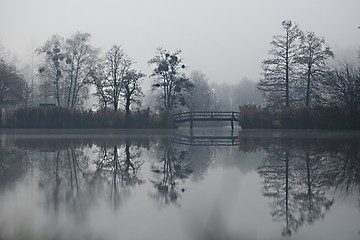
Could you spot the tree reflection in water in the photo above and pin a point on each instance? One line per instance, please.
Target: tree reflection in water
(298, 195)
(178, 160)
(343, 167)
(118, 167)
(174, 167)
(13, 166)
(70, 180)
(298, 174)
(62, 175)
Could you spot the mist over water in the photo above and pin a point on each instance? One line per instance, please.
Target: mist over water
(256, 185)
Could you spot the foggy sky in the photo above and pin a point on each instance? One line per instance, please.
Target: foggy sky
(226, 40)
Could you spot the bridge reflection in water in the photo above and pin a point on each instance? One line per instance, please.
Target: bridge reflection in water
(206, 140)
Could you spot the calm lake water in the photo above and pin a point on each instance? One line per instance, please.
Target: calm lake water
(208, 184)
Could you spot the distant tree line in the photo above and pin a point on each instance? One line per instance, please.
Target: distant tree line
(71, 69)
(296, 79)
(301, 89)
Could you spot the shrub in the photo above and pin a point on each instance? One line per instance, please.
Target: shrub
(57, 117)
(316, 117)
(253, 116)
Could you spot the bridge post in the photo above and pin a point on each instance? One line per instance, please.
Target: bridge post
(191, 121)
(232, 120)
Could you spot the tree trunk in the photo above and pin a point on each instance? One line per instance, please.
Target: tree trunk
(127, 107)
(287, 192)
(287, 104)
(307, 103)
(309, 181)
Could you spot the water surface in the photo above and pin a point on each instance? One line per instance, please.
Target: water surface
(208, 184)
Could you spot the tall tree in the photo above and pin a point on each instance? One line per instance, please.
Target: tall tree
(313, 56)
(201, 96)
(80, 63)
(99, 80)
(342, 88)
(12, 85)
(280, 70)
(53, 67)
(31, 84)
(168, 78)
(132, 89)
(67, 66)
(117, 65)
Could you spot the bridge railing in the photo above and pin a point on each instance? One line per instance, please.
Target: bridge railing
(184, 116)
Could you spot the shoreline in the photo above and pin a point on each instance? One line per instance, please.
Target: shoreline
(169, 131)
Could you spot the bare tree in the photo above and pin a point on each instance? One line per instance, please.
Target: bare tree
(12, 85)
(68, 65)
(342, 88)
(117, 64)
(30, 88)
(280, 70)
(201, 96)
(99, 80)
(168, 78)
(52, 68)
(116, 83)
(132, 89)
(313, 56)
(80, 62)
(110, 75)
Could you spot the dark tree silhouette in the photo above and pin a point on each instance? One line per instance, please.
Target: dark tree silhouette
(132, 89)
(68, 65)
(342, 88)
(116, 82)
(116, 67)
(99, 81)
(168, 78)
(12, 85)
(313, 56)
(280, 71)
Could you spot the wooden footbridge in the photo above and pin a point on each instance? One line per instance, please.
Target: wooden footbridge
(205, 116)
